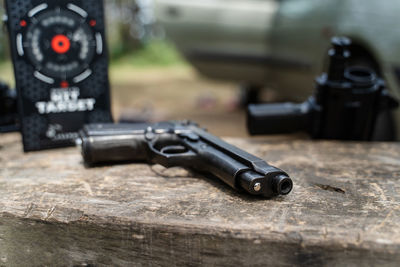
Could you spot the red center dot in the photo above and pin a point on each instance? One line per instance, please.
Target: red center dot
(60, 44)
(64, 84)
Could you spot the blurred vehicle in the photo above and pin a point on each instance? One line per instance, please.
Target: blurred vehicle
(283, 44)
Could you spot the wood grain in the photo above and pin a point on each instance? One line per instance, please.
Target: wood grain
(344, 210)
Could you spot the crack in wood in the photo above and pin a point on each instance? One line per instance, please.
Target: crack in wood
(49, 213)
(331, 188)
(29, 209)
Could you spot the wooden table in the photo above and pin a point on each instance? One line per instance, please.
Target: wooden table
(344, 210)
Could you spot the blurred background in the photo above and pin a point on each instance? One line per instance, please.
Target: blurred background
(150, 80)
(205, 60)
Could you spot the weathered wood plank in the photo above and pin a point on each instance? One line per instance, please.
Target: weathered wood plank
(345, 209)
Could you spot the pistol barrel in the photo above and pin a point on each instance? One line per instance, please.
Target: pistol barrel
(278, 118)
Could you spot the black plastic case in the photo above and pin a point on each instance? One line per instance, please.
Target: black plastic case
(53, 108)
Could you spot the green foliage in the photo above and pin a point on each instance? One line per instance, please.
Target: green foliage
(6, 72)
(155, 53)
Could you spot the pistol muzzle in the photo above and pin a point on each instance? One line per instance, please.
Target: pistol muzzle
(257, 184)
(282, 185)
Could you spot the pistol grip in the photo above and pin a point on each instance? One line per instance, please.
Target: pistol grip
(113, 143)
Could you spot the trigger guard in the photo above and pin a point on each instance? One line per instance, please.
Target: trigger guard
(174, 150)
(171, 160)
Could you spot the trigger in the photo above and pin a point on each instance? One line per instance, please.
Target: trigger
(173, 150)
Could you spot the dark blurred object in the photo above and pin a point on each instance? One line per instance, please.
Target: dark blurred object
(345, 106)
(8, 109)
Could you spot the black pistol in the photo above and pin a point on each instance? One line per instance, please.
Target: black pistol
(345, 105)
(183, 144)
